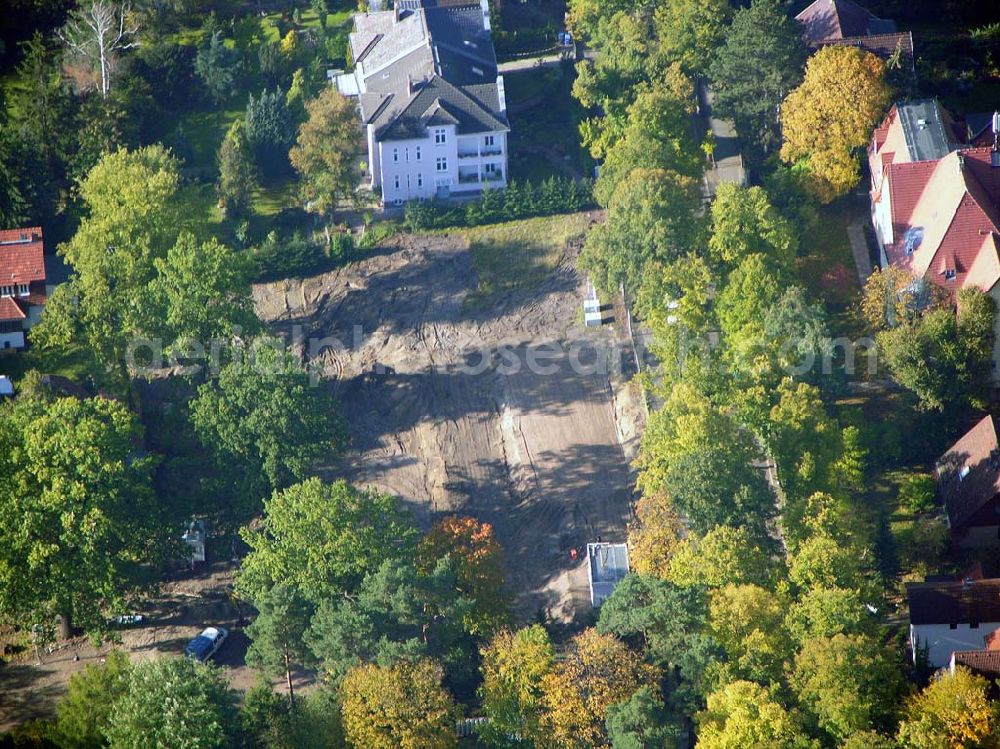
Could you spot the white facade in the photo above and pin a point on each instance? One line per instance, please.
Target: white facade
(442, 164)
(941, 640)
(11, 340)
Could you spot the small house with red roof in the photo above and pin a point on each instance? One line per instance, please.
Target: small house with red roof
(845, 23)
(22, 283)
(935, 201)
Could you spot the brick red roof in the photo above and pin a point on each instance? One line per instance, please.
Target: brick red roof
(968, 474)
(883, 46)
(957, 214)
(827, 20)
(982, 662)
(10, 309)
(22, 257)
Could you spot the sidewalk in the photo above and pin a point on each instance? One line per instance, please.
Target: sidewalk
(859, 248)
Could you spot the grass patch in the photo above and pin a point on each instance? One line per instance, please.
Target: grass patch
(74, 362)
(518, 254)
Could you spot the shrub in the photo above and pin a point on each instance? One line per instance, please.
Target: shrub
(287, 257)
(916, 493)
(341, 246)
(516, 201)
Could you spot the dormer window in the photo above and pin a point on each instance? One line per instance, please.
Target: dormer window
(949, 274)
(912, 239)
(6, 291)
(22, 289)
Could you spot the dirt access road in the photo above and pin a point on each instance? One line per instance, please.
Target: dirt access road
(447, 411)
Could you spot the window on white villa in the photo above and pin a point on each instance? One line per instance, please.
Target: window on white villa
(440, 135)
(395, 154)
(396, 182)
(489, 140)
(22, 289)
(420, 180)
(6, 291)
(418, 153)
(442, 165)
(490, 168)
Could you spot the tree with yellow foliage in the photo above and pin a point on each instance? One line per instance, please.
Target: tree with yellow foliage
(654, 534)
(744, 715)
(831, 114)
(953, 712)
(598, 671)
(514, 665)
(399, 707)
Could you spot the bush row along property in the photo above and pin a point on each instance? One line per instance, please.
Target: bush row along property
(432, 102)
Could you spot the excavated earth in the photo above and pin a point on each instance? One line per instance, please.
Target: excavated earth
(505, 409)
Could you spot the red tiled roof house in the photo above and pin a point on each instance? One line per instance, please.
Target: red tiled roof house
(936, 203)
(22, 283)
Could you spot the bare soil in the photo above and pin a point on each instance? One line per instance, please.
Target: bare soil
(445, 412)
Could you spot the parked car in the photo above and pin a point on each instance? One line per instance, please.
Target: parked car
(205, 645)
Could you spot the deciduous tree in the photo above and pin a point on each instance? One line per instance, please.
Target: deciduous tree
(690, 31)
(323, 539)
(597, 672)
(479, 566)
(79, 515)
(237, 172)
(325, 154)
(175, 702)
(747, 621)
(514, 665)
(832, 113)
(953, 711)
(83, 714)
(850, 683)
(399, 707)
(98, 32)
(722, 556)
(743, 714)
(266, 422)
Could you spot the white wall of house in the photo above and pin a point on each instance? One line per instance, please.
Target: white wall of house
(941, 640)
(419, 168)
(882, 219)
(995, 294)
(11, 340)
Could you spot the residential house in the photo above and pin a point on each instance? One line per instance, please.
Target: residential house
(950, 616)
(22, 284)
(968, 480)
(432, 102)
(845, 23)
(934, 200)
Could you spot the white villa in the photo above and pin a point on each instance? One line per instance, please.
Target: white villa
(431, 100)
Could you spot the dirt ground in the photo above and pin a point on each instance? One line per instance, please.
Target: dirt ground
(447, 410)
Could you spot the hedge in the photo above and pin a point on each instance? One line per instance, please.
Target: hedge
(297, 256)
(517, 200)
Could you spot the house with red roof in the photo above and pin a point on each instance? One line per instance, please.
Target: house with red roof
(935, 201)
(22, 283)
(845, 23)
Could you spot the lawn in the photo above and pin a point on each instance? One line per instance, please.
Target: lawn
(73, 362)
(519, 254)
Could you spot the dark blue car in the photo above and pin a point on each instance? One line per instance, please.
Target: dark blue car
(205, 645)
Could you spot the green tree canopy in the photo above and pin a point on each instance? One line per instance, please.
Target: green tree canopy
(175, 702)
(761, 60)
(266, 421)
(83, 714)
(79, 513)
(743, 714)
(323, 539)
(849, 683)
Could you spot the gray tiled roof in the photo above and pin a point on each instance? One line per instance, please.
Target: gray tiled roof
(434, 64)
